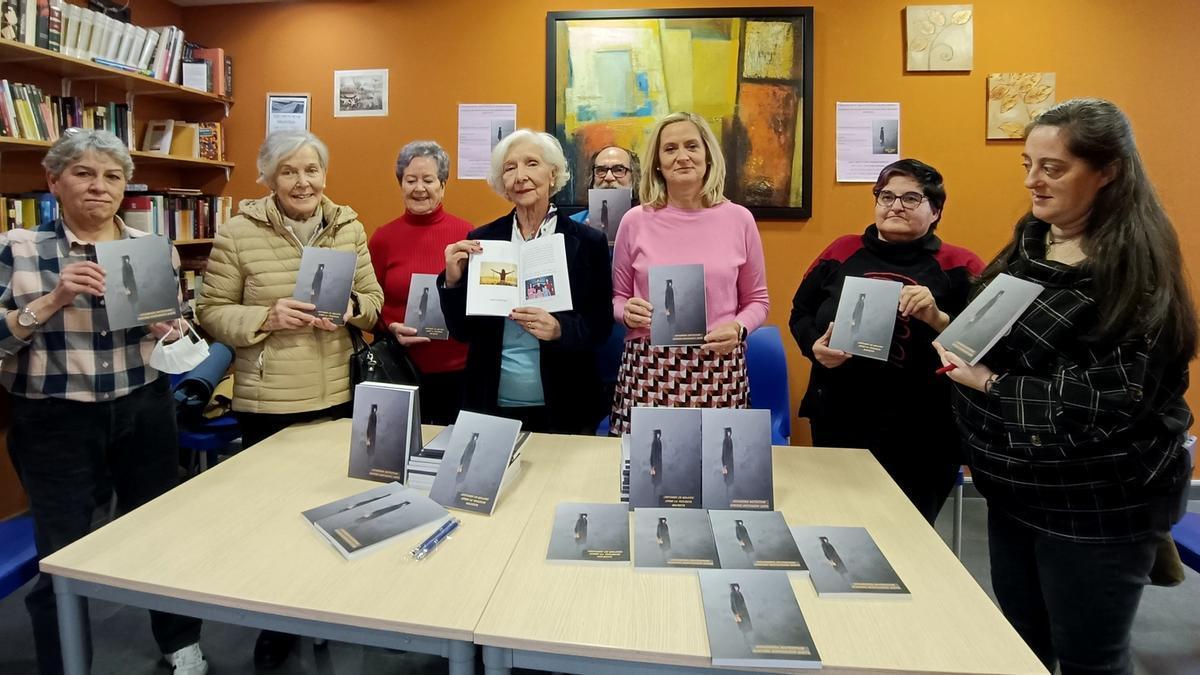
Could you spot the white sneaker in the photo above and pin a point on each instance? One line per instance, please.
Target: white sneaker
(188, 661)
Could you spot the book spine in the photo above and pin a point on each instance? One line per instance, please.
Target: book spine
(42, 38)
(54, 24)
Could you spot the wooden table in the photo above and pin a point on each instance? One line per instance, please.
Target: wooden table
(584, 618)
(230, 545)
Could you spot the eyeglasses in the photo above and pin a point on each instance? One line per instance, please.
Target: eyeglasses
(618, 170)
(910, 200)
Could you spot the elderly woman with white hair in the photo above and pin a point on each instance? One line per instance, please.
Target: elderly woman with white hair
(415, 243)
(291, 367)
(533, 365)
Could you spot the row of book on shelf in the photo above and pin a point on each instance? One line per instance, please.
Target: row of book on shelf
(178, 214)
(159, 52)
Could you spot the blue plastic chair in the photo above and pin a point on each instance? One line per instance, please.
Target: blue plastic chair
(1186, 532)
(18, 555)
(766, 367)
(608, 362)
(208, 440)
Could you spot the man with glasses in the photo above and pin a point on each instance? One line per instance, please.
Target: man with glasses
(613, 167)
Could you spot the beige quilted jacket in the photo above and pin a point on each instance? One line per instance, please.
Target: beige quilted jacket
(254, 262)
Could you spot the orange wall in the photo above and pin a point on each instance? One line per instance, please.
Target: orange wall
(462, 51)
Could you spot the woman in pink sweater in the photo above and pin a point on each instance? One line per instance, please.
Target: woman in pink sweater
(685, 219)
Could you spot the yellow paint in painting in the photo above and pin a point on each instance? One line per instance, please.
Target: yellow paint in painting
(769, 49)
(796, 191)
(677, 68)
(715, 93)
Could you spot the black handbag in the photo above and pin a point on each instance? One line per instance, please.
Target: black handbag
(384, 360)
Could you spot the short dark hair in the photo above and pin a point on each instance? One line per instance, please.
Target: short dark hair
(635, 166)
(929, 178)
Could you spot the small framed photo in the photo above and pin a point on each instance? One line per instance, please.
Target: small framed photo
(286, 112)
(360, 93)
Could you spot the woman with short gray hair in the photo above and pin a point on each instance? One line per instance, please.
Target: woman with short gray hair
(535, 366)
(75, 142)
(414, 244)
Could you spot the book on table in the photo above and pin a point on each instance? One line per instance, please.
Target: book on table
(424, 461)
(737, 459)
(755, 540)
(665, 458)
(672, 539)
(325, 279)
(846, 562)
(478, 463)
(508, 275)
(866, 317)
(589, 533)
(386, 423)
(363, 522)
(753, 621)
(680, 315)
(141, 285)
(989, 317)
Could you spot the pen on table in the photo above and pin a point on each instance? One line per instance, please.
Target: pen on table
(436, 538)
(945, 369)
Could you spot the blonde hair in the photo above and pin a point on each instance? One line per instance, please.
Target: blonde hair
(652, 189)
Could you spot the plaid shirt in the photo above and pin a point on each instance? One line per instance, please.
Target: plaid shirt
(1077, 438)
(72, 355)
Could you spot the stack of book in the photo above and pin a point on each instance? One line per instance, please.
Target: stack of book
(424, 462)
(624, 491)
(28, 112)
(207, 70)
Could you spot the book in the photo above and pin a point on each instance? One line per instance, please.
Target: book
(680, 316)
(589, 533)
(754, 621)
(424, 309)
(989, 317)
(845, 561)
(507, 275)
(361, 523)
(606, 207)
(673, 539)
(755, 540)
(158, 136)
(216, 59)
(665, 458)
(212, 140)
(28, 24)
(185, 140)
(737, 459)
(477, 462)
(866, 317)
(138, 213)
(197, 74)
(386, 423)
(10, 22)
(325, 279)
(54, 26)
(141, 286)
(424, 461)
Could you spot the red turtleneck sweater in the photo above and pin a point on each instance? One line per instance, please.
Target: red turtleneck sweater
(416, 244)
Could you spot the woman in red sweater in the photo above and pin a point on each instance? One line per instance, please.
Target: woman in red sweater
(415, 243)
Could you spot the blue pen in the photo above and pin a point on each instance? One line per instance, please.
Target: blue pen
(436, 538)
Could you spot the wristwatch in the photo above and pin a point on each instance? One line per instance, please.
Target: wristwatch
(27, 319)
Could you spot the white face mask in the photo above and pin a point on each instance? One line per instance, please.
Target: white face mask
(182, 355)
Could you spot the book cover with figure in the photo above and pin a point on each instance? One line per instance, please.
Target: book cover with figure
(477, 462)
(141, 285)
(755, 540)
(424, 309)
(591, 533)
(606, 207)
(680, 315)
(665, 458)
(737, 459)
(989, 317)
(845, 561)
(385, 425)
(325, 279)
(360, 523)
(754, 621)
(673, 539)
(866, 317)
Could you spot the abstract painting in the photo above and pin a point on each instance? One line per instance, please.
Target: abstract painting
(748, 72)
(940, 37)
(1014, 100)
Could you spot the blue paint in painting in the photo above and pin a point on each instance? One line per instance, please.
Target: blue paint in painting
(585, 113)
(642, 82)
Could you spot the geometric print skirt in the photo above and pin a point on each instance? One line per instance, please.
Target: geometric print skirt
(677, 377)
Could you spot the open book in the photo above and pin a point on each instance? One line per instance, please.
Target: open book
(507, 275)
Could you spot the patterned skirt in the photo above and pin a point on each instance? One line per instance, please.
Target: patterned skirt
(677, 377)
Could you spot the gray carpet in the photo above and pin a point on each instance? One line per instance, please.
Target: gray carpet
(1166, 636)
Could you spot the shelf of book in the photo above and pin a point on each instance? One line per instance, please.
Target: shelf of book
(79, 69)
(8, 144)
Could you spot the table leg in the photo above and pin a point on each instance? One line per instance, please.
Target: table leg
(497, 661)
(462, 657)
(71, 628)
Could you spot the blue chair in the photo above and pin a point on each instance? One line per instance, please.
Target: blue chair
(766, 367)
(18, 555)
(207, 440)
(1186, 532)
(608, 362)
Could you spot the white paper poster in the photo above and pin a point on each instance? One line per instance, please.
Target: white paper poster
(287, 112)
(868, 139)
(480, 127)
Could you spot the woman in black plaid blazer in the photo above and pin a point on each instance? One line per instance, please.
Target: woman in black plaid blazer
(1074, 423)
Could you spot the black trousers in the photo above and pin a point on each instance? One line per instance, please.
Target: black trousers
(67, 453)
(1072, 603)
(441, 396)
(257, 427)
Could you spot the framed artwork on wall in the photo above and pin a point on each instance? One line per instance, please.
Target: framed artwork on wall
(360, 93)
(286, 112)
(749, 72)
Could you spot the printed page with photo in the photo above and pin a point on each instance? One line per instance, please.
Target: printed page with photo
(507, 275)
